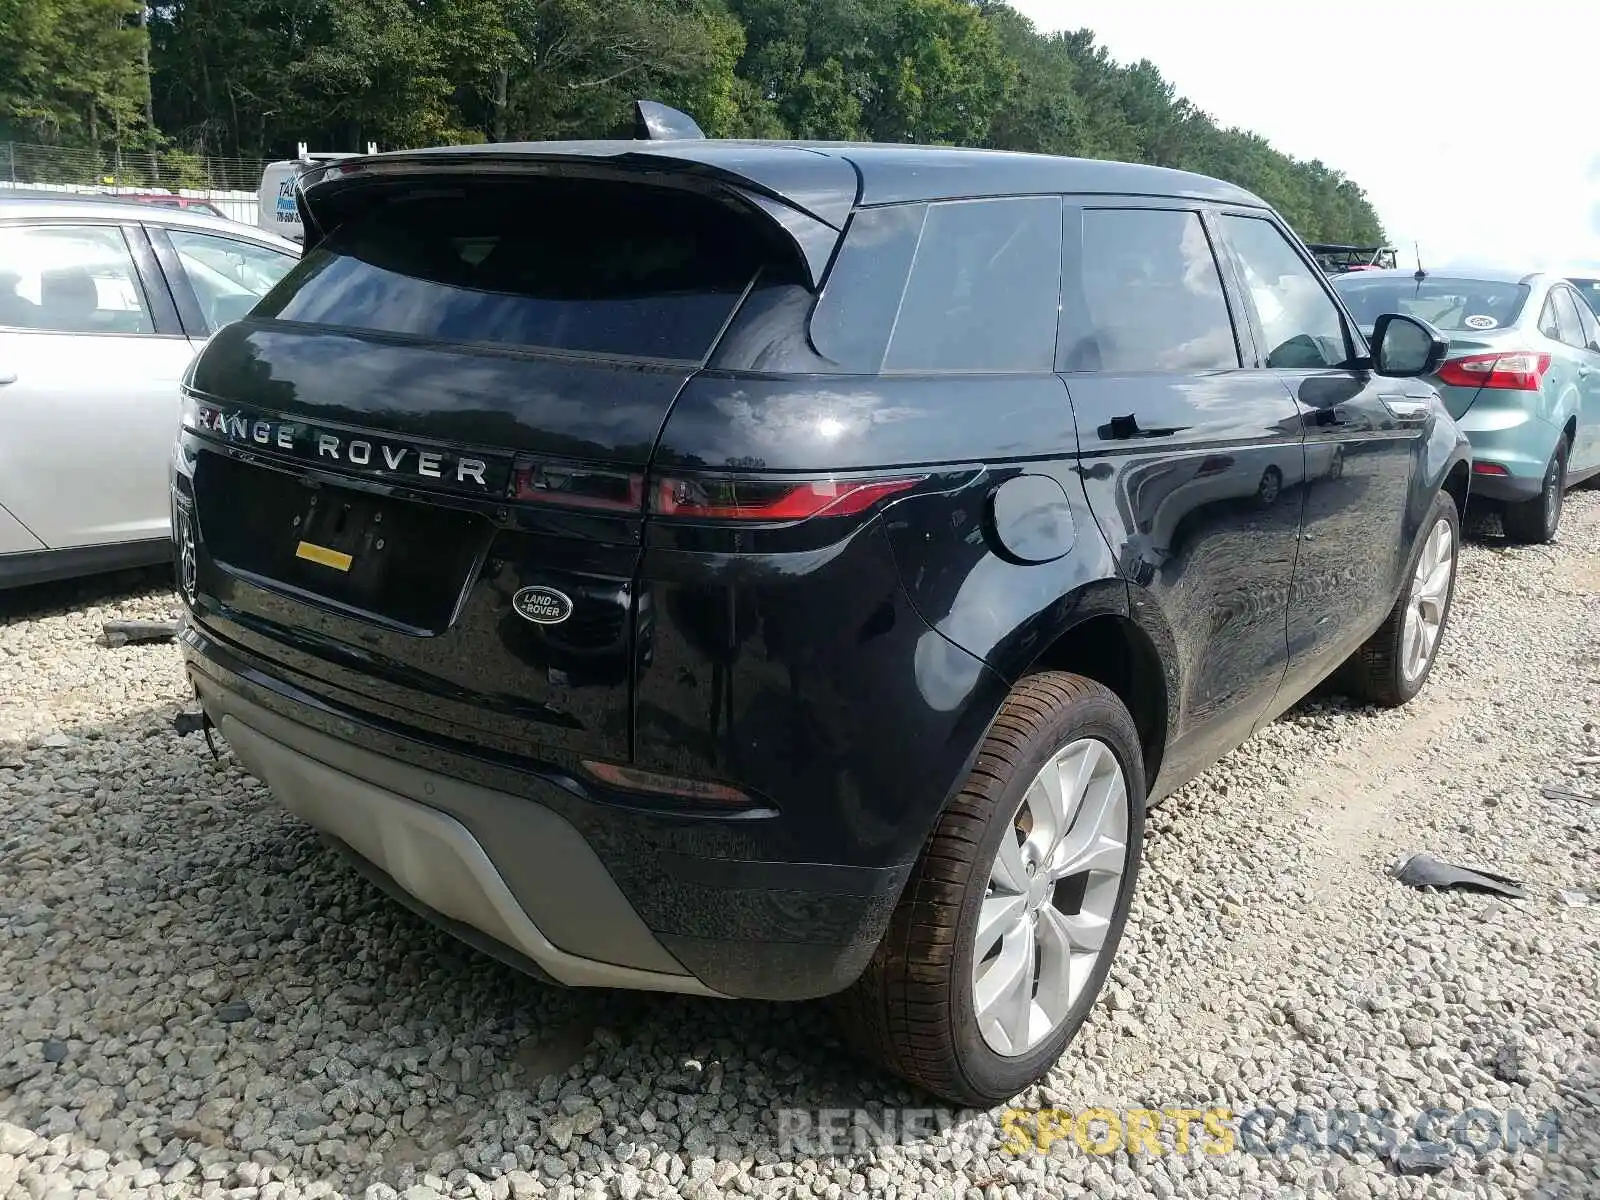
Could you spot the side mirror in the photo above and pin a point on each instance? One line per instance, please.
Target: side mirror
(1404, 347)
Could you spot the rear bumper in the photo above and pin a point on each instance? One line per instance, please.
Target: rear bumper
(1518, 441)
(520, 863)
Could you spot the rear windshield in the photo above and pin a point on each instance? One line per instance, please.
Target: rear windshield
(576, 266)
(1449, 305)
(1589, 289)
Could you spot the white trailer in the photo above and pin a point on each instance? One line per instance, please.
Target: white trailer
(276, 209)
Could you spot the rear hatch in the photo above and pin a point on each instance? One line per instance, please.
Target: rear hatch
(417, 469)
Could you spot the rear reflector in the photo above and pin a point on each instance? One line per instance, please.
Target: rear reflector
(1519, 370)
(577, 486)
(649, 783)
(1488, 468)
(770, 499)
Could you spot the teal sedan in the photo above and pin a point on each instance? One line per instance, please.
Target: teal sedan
(1522, 378)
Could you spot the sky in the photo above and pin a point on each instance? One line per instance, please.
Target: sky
(1473, 127)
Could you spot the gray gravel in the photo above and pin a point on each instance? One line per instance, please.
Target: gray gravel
(197, 1000)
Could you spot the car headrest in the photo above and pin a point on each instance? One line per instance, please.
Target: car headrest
(69, 290)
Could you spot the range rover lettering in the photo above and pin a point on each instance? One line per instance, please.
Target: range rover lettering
(782, 571)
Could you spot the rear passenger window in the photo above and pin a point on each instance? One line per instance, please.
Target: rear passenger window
(952, 286)
(852, 321)
(1152, 296)
(1549, 323)
(984, 290)
(1567, 306)
(1591, 327)
(70, 279)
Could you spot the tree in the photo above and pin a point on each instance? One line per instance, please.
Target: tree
(72, 73)
(251, 78)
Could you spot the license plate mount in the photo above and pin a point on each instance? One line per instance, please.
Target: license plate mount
(341, 532)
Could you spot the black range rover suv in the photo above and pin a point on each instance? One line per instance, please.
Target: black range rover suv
(788, 570)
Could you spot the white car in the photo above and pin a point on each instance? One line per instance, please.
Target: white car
(103, 304)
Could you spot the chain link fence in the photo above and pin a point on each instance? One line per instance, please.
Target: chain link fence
(228, 185)
(22, 163)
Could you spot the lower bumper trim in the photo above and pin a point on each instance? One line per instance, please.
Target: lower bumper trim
(428, 854)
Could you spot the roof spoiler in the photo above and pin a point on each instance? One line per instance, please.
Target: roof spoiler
(654, 122)
(304, 155)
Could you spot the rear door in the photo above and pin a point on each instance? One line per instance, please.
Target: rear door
(1579, 338)
(1561, 384)
(1363, 449)
(91, 345)
(1193, 461)
(417, 468)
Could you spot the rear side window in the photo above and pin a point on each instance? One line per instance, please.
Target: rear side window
(1591, 326)
(70, 279)
(1151, 295)
(577, 266)
(952, 286)
(1550, 320)
(984, 290)
(1567, 306)
(1589, 289)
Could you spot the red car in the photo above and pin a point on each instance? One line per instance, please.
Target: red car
(169, 201)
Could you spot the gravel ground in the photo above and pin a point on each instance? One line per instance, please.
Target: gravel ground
(197, 1000)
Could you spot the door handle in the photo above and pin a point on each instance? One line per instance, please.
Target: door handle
(1120, 429)
(1406, 408)
(7, 377)
(1583, 372)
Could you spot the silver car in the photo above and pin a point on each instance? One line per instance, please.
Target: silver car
(102, 306)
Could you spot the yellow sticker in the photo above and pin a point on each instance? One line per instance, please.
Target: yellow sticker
(324, 556)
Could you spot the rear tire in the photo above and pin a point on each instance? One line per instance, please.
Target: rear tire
(1388, 671)
(1534, 522)
(932, 1006)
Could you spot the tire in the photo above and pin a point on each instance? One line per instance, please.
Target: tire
(1534, 522)
(1381, 672)
(916, 1007)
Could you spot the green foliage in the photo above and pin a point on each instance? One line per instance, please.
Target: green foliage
(251, 78)
(72, 73)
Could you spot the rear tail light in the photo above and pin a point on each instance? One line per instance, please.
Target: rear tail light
(1519, 370)
(1488, 468)
(770, 499)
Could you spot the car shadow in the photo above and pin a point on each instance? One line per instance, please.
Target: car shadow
(59, 596)
(226, 926)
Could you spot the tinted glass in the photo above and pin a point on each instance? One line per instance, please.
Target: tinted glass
(1591, 324)
(1589, 289)
(1567, 306)
(70, 279)
(984, 290)
(853, 319)
(1450, 305)
(1152, 296)
(228, 276)
(1301, 326)
(584, 267)
(1550, 319)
